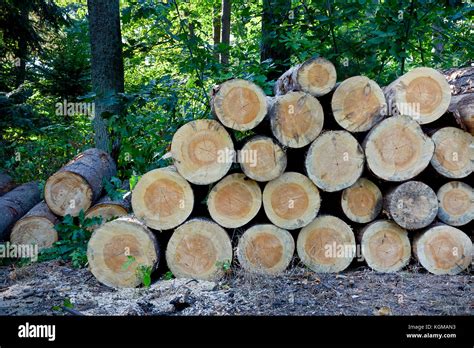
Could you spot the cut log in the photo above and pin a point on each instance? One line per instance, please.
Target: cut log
(296, 119)
(162, 199)
(199, 249)
(454, 152)
(358, 104)
(397, 149)
(316, 76)
(385, 246)
(422, 93)
(456, 203)
(334, 161)
(36, 228)
(443, 249)
(362, 202)
(15, 204)
(234, 201)
(262, 159)
(291, 201)
(109, 209)
(79, 183)
(412, 205)
(265, 249)
(202, 151)
(239, 104)
(120, 250)
(6, 183)
(326, 245)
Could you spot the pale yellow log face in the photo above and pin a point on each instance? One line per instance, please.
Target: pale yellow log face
(386, 247)
(163, 197)
(242, 104)
(316, 245)
(399, 147)
(456, 202)
(233, 201)
(106, 212)
(440, 249)
(34, 231)
(195, 254)
(264, 249)
(361, 201)
(318, 75)
(114, 251)
(426, 92)
(289, 201)
(269, 160)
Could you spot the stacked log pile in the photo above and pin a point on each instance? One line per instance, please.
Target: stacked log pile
(328, 168)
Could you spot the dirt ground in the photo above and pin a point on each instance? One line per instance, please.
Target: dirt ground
(36, 289)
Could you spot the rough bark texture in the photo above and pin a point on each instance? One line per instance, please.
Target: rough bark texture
(15, 204)
(225, 38)
(6, 183)
(216, 29)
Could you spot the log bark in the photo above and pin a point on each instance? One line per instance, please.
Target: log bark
(291, 201)
(456, 203)
(265, 249)
(6, 183)
(334, 161)
(239, 104)
(234, 201)
(163, 199)
(296, 119)
(79, 183)
(454, 152)
(358, 104)
(326, 245)
(199, 249)
(202, 151)
(36, 228)
(15, 204)
(119, 249)
(422, 93)
(262, 159)
(443, 249)
(412, 205)
(225, 38)
(362, 202)
(385, 246)
(316, 76)
(397, 149)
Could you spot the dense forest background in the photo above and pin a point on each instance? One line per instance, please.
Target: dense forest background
(153, 63)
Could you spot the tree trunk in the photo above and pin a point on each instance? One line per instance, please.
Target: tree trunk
(6, 183)
(274, 14)
(78, 184)
(234, 201)
(326, 245)
(162, 199)
(15, 204)
(119, 250)
(22, 51)
(216, 30)
(443, 249)
(362, 202)
(203, 151)
(296, 119)
(291, 201)
(265, 249)
(412, 205)
(225, 39)
(456, 207)
(106, 65)
(397, 149)
(36, 228)
(199, 249)
(334, 161)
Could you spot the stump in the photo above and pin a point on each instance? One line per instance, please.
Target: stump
(422, 93)
(454, 152)
(412, 205)
(199, 249)
(36, 228)
(334, 161)
(239, 104)
(202, 151)
(443, 249)
(120, 250)
(265, 249)
(362, 202)
(296, 119)
(15, 204)
(262, 159)
(456, 203)
(78, 184)
(163, 199)
(291, 201)
(234, 201)
(397, 149)
(326, 245)
(358, 104)
(385, 246)
(316, 76)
